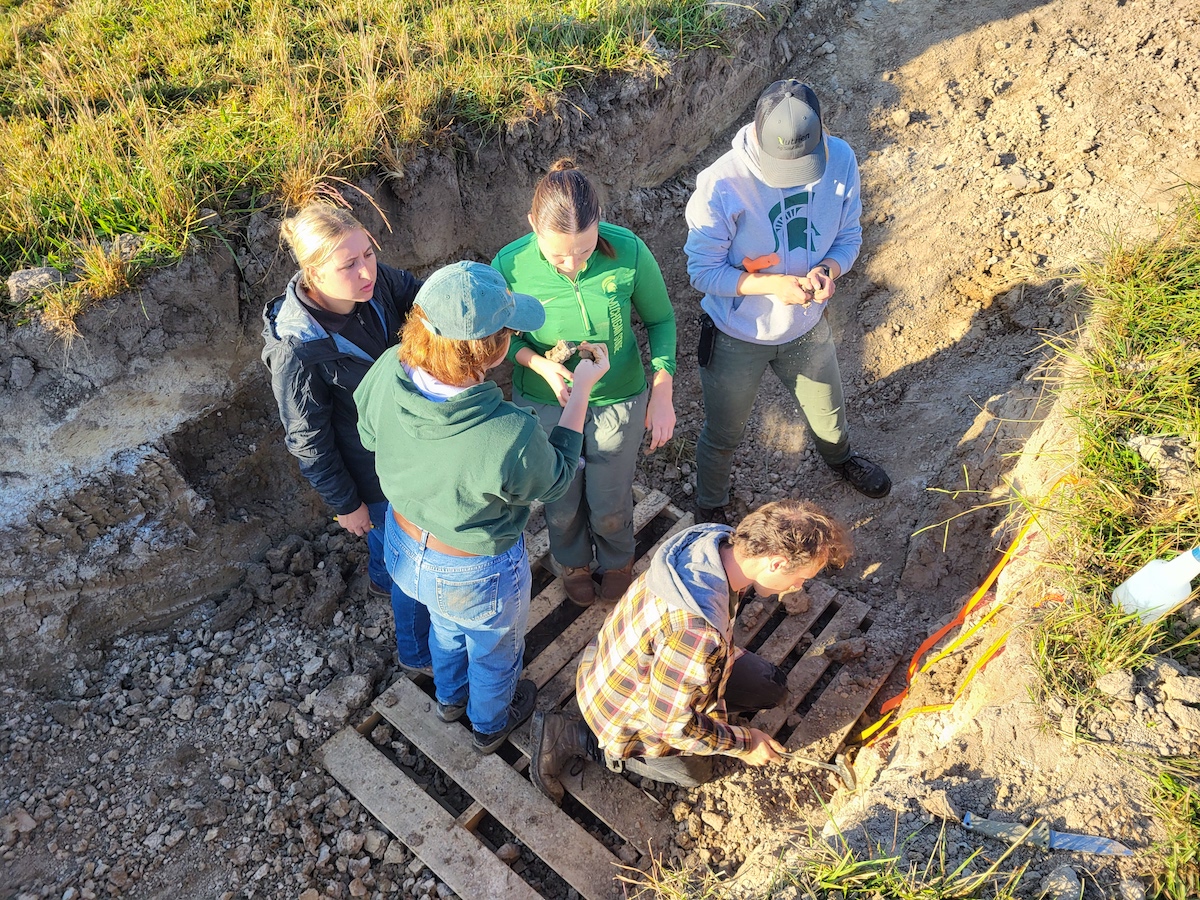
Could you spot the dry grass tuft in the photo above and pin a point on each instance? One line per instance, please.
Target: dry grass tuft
(61, 307)
(106, 270)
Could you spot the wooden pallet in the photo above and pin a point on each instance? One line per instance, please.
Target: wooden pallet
(449, 841)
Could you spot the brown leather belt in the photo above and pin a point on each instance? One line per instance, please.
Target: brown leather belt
(431, 542)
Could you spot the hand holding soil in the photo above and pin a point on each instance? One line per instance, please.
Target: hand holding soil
(822, 285)
(796, 290)
(593, 364)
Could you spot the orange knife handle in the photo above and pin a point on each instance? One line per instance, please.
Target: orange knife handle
(759, 263)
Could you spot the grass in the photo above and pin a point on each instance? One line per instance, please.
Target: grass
(124, 118)
(828, 872)
(1176, 798)
(1137, 375)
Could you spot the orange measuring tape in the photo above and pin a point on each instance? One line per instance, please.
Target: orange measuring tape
(977, 599)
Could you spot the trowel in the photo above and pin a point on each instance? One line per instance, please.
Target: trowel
(1039, 835)
(839, 767)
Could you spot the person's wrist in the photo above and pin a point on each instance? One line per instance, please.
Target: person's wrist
(824, 270)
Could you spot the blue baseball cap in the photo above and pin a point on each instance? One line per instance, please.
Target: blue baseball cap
(467, 301)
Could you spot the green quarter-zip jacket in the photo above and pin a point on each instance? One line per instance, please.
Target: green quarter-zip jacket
(597, 307)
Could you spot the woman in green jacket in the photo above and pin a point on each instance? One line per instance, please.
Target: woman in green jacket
(590, 277)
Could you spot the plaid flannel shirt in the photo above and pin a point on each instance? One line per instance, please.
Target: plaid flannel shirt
(651, 682)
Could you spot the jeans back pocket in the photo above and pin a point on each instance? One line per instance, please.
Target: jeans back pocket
(468, 599)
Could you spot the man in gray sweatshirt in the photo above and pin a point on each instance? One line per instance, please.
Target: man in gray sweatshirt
(771, 227)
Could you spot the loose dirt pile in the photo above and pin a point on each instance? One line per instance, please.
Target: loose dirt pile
(1000, 143)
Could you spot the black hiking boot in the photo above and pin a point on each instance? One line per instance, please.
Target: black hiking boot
(715, 514)
(865, 476)
(519, 709)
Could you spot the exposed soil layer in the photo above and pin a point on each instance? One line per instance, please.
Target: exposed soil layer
(1000, 143)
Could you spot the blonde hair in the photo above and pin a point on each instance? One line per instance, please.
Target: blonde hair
(315, 232)
(797, 530)
(457, 363)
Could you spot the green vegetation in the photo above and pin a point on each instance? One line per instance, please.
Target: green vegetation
(126, 118)
(1177, 799)
(825, 872)
(1138, 375)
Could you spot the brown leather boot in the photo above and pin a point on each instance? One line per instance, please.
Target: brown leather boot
(581, 590)
(558, 739)
(615, 582)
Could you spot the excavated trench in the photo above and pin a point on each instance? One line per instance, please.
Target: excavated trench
(167, 581)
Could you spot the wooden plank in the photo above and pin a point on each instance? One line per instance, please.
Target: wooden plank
(538, 548)
(787, 634)
(546, 602)
(746, 628)
(458, 857)
(648, 508)
(582, 861)
(636, 817)
(829, 720)
(575, 636)
(812, 665)
(567, 645)
(783, 640)
(559, 689)
(470, 817)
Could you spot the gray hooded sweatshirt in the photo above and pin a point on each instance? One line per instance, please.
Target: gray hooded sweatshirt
(734, 218)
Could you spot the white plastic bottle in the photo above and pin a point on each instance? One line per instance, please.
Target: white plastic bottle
(1159, 586)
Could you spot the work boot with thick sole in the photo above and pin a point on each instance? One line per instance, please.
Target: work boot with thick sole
(558, 739)
(865, 476)
(577, 580)
(615, 582)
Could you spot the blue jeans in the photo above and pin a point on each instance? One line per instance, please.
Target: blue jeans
(478, 608)
(807, 366)
(410, 617)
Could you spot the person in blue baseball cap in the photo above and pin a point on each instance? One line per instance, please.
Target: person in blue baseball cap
(460, 466)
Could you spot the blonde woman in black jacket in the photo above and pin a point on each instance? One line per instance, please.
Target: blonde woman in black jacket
(340, 312)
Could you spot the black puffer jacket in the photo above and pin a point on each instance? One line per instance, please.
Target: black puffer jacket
(313, 376)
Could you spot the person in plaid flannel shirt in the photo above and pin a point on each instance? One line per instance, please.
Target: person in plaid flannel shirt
(658, 684)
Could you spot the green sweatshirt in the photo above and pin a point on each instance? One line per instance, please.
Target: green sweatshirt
(464, 469)
(594, 307)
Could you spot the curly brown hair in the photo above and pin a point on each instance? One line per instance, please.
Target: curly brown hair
(457, 363)
(798, 530)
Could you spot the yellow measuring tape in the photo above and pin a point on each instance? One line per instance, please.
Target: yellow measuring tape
(878, 730)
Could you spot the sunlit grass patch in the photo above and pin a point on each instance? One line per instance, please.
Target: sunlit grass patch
(1136, 377)
(1176, 798)
(124, 118)
(823, 871)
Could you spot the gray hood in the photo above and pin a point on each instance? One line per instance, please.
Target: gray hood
(687, 574)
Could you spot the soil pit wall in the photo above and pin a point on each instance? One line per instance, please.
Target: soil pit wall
(145, 469)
